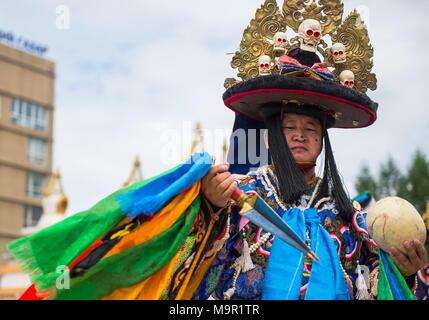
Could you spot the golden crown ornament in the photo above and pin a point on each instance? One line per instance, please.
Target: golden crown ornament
(264, 42)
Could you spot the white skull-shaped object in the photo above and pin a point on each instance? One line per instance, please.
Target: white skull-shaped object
(280, 43)
(339, 53)
(347, 78)
(310, 33)
(264, 65)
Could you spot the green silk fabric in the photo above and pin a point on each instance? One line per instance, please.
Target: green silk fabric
(384, 288)
(133, 265)
(40, 254)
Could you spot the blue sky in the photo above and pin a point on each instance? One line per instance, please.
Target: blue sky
(129, 70)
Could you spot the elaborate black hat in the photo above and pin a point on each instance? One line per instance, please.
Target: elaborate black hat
(289, 76)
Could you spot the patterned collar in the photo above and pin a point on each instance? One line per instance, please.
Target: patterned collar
(267, 182)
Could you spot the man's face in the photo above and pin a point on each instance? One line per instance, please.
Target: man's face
(303, 135)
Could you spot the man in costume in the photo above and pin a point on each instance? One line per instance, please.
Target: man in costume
(303, 129)
(178, 236)
(296, 97)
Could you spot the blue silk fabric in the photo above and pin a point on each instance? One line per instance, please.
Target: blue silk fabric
(150, 198)
(345, 243)
(285, 266)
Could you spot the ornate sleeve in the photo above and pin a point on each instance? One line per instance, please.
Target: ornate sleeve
(365, 276)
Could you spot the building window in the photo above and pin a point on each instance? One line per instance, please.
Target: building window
(34, 184)
(28, 115)
(36, 151)
(32, 216)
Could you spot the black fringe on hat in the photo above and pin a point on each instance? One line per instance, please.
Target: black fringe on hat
(292, 184)
(332, 184)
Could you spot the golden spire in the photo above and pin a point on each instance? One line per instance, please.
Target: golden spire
(197, 140)
(54, 196)
(224, 150)
(136, 173)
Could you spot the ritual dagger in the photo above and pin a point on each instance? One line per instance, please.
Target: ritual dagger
(254, 208)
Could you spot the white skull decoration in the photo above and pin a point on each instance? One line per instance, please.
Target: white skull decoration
(339, 53)
(347, 78)
(280, 43)
(310, 33)
(264, 65)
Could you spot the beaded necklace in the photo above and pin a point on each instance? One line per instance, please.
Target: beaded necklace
(237, 264)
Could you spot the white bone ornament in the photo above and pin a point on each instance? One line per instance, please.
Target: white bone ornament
(264, 65)
(310, 33)
(339, 53)
(393, 220)
(347, 78)
(280, 43)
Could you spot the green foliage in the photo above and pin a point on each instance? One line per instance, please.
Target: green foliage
(389, 179)
(412, 185)
(366, 183)
(416, 186)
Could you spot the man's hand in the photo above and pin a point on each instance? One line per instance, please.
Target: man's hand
(218, 185)
(413, 260)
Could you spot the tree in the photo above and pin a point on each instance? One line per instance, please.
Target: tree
(413, 185)
(366, 183)
(389, 180)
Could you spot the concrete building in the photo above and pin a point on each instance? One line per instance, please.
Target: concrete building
(26, 137)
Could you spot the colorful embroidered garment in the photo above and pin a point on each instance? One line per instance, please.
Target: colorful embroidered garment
(169, 250)
(351, 242)
(423, 283)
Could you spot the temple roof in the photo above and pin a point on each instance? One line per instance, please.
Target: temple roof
(136, 173)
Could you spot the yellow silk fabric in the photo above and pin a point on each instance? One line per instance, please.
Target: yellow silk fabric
(161, 222)
(153, 287)
(149, 289)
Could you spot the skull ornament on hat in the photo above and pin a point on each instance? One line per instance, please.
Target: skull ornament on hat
(274, 68)
(310, 33)
(280, 43)
(347, 78)
(339, 53)
(264, 65)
